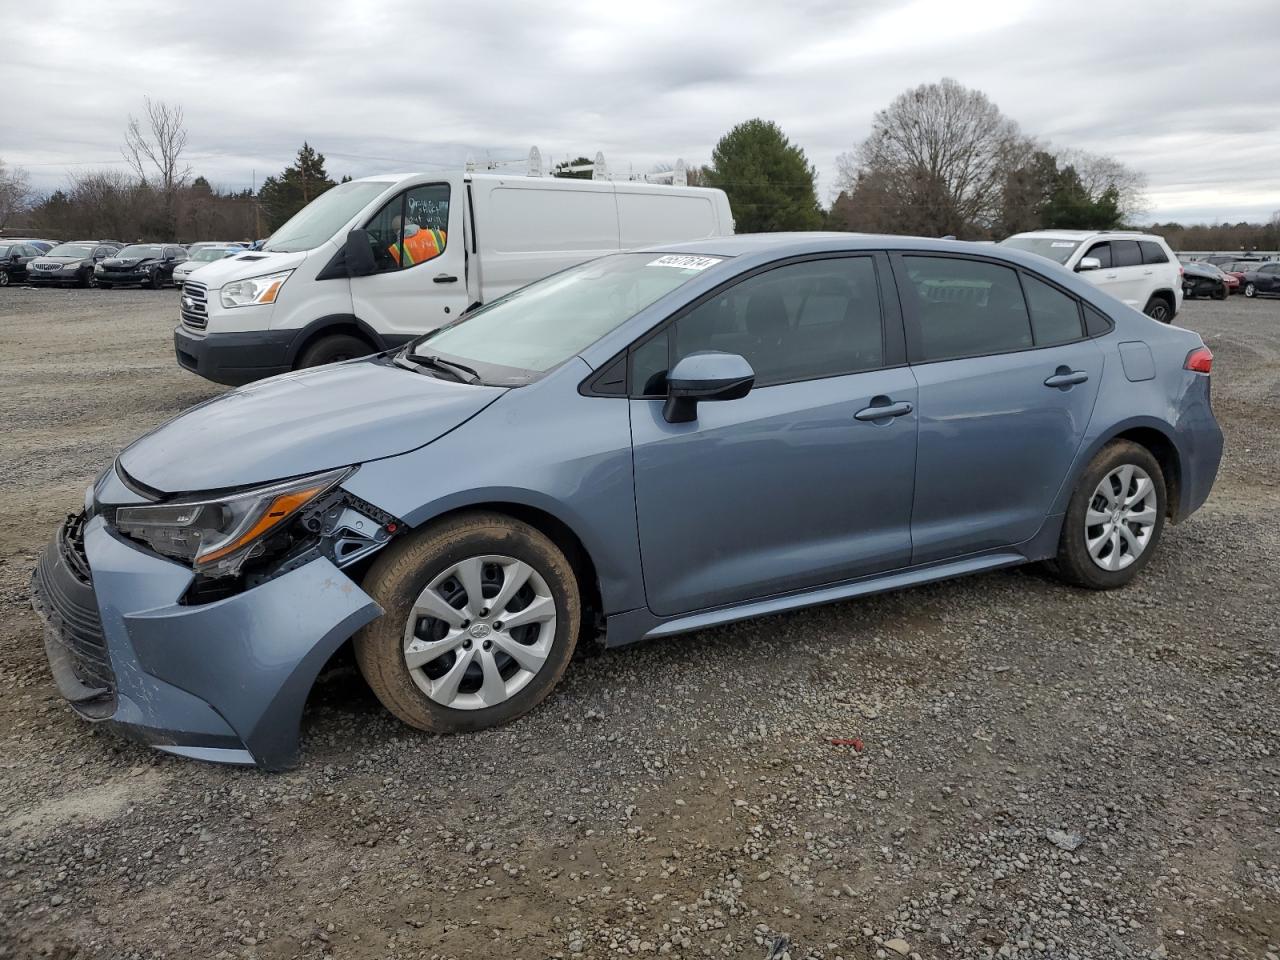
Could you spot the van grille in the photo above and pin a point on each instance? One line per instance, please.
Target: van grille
(195, 306)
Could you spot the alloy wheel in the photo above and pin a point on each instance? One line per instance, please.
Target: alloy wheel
(1250, 290)
(479, 632)
(1121, 517)
(1158, 311)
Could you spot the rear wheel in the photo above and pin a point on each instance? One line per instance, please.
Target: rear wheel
(482, 615)
(1114, 520)
(1158, 309)
(334, 349)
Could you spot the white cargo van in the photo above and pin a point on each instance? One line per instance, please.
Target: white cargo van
(373, 263)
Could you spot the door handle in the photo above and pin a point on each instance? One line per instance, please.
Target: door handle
(444, 278)
(882, 411)
(1067, 378)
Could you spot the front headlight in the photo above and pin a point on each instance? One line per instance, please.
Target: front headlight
(244, 293)
(99, 268)
(217, 535)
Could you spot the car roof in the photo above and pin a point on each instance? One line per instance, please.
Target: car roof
(1086, 234)
(778, 245)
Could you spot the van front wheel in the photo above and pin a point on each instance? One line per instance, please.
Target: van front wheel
(334, 349)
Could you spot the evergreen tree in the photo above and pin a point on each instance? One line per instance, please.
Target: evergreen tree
(769, 181)
(283, 196)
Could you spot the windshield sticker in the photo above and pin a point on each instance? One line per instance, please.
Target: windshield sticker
(1063, 243)
(684, 262)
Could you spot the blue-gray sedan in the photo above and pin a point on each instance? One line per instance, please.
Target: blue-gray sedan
(647, 444)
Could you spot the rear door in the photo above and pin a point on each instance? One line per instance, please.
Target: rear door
(418, 246)
(1007, 383)
(798, 483)
(1134, 281)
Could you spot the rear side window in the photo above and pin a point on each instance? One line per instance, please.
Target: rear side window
(1125, 253)
(965, 308)
(1055, 317)
(1103, 252)
(1152, 252)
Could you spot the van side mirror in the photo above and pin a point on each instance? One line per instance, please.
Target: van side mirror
(1088, 263)
(705, 376)
(358, 252)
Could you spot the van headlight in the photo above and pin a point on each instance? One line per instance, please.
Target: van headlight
(246, 293)
(216, 535)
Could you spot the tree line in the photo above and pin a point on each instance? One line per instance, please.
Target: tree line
(940, 160)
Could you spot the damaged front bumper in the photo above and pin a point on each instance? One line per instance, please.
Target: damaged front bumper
(224, 681)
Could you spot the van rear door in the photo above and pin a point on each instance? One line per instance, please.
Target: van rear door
(419, 247)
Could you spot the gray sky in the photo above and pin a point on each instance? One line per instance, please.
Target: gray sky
(1188, 93)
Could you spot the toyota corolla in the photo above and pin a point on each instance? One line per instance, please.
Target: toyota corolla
(648, 444)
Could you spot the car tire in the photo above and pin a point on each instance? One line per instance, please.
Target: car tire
(1250, 290)
(4, 278)
(85, 280)
(334, 349)
(1109, 553)
(155, 281)
(420, 573)
(1221, 293)
(1157, 308)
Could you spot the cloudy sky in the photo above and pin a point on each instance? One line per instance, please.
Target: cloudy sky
(1186, 92)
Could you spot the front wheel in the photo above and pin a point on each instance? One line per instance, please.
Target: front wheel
(1221, 293)
(155, 281)
(1250, 290)
(4, 278)
(1114, 519)
(482, 617)
(334, 349)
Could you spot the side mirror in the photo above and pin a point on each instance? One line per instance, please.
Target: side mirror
(1088, 263)
(358, 252)
(705, 376)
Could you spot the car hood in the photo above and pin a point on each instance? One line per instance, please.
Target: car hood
(61, 260)
(250, 263)
(128, 261)
(300, 423)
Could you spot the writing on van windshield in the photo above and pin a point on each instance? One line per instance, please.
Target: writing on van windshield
(684, 262)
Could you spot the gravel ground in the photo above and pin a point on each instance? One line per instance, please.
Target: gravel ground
(1042, 772)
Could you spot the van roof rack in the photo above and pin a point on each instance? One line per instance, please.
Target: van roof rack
(677, 176)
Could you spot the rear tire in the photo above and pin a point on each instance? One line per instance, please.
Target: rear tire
(1114, 520)
(334, 349)
(416, 575)
(1157, 308)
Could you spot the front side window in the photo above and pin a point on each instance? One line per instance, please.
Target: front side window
(1102, 251)
(411, 228)
(1055, 317)
(965, 308)
(820, 318)
(526, 333)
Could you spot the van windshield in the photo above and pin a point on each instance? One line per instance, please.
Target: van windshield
(542, 325)
(324, 216)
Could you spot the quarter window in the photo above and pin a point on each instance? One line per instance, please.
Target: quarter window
(966, 308)
(1055, 317)
(1125, 253)
(1152, 252)
(819, 318)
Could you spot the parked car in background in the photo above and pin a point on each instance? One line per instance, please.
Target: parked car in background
(42, 245)
(15, 255)
(70, 264)
(647, 444)
(1261, 279)
(145, 264)
(193, 248)
(1202, 279)
(373, 263)
(1136, 268)
(207, 253)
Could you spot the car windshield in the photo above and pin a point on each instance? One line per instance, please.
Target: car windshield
(4, 249)
(542, 325)
(139, 251)
(319, 220)
(206, 254)
(71, 250)
(1050, 247)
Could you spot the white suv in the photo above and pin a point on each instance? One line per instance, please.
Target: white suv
(1138, 268)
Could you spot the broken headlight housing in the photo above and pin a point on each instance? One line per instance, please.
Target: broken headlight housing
(216, 535)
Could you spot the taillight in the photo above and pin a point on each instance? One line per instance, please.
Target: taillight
(1199, 360)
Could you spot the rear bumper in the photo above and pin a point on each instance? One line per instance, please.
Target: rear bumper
(223, 681)
(234, 358)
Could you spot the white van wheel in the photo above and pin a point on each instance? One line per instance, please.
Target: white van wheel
(334, 349)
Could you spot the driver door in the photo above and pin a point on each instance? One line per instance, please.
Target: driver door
(419, 249)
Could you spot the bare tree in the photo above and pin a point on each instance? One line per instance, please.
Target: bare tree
(15, 192)
(153, 147)
(939, 156)
(1098, 173)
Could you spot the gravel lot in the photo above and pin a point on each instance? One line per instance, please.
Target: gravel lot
(682, 798)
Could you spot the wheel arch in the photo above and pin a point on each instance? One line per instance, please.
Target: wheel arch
(335, 323)
(1167, 295)
(1156, 437)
